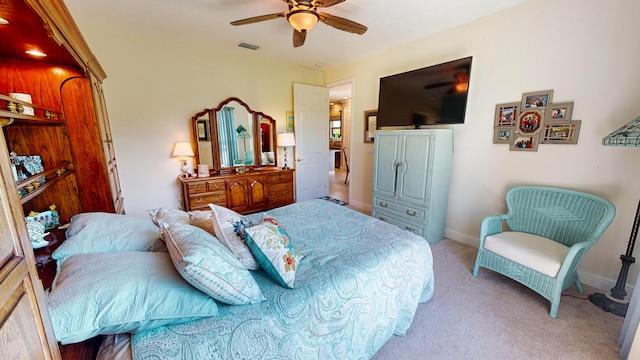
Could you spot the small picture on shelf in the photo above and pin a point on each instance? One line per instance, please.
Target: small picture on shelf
(27, 166)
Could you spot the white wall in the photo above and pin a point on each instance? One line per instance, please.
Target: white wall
(586, 52)
(153, 87)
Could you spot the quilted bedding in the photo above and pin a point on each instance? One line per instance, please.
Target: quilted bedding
(359, 283)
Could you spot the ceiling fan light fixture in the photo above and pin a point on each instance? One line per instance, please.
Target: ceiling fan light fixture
(302, 20)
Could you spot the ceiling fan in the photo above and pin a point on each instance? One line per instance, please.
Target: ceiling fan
(303, 16)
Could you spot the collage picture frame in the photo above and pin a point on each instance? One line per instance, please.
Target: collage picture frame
(535, 120)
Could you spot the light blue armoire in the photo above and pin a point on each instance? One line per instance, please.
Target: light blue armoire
(412, 171)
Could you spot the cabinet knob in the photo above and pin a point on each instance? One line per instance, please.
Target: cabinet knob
(198, 200)
(411, 213)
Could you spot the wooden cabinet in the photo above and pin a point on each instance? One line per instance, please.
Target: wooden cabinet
(244, 193)
(412, 170)
(69, 130)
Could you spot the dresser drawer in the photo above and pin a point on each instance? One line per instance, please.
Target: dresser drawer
(203, 200)
(280, 178)
(197, 187)
(275, 189)
(215, 185)
(401, 210)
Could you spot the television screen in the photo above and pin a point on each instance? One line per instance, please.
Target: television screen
(429, 96)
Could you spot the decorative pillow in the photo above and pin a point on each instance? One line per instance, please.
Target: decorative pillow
(170, 216)
(203, 219)
(206, 264)
(229, 228)
(106, 232)
(111, 293)
(275, 251)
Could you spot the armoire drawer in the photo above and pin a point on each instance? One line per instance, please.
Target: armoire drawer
(401, 210)
(383, 216)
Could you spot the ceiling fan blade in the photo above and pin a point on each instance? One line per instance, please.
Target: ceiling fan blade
(327, 3)
(439, 84)
(298, 37)
(256, 19)
(342, 23)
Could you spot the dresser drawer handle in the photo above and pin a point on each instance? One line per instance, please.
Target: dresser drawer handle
(411, 213)
(383, 204)
(382, 218)
(410, 229)
(199, 187)
(198, 200)
(218, 197)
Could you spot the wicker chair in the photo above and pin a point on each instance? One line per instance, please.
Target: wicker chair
(549, 230)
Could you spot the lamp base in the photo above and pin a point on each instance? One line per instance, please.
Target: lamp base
(610, 304)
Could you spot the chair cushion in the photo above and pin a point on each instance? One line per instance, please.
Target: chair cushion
(536, 252)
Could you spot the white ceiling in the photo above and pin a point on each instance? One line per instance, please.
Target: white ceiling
(390, 23)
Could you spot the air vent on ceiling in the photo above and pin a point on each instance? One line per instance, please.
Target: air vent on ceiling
(249, 46)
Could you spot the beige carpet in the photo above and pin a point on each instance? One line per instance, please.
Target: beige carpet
(493, 317)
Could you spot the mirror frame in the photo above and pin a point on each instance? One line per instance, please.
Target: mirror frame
(213, 130)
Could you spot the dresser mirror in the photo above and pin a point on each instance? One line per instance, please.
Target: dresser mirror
(233, 135)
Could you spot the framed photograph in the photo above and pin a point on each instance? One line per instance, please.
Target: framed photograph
(530, 121)
(536, 99)
(370, 123)
(561, 133)
(506, 114)
(290, 121)
(559, 113)
(203, 130)
(503, 134)
(522, 142)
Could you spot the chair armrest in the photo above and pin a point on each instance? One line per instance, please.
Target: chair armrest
(491, 225)
(574, 254)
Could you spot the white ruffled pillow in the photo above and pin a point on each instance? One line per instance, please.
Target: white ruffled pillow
(229, 227)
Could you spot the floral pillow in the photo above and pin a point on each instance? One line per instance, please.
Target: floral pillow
(229, 227)
(275, 251)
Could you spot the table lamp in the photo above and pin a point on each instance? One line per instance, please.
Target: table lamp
(284, 140)
(183, 150)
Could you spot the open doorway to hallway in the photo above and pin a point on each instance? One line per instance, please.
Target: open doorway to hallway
(340, 95)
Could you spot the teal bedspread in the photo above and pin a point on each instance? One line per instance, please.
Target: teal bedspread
(359, 283)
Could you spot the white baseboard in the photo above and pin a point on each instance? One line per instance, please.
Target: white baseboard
(592, 280)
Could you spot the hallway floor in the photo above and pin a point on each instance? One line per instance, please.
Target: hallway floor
(337, 188)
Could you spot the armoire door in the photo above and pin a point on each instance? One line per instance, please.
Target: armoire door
(415, 158)
(386, 156)
(25, 327)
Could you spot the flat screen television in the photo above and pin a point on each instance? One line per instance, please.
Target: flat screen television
(432, 95)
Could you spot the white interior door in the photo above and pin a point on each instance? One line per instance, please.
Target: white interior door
(311, 108)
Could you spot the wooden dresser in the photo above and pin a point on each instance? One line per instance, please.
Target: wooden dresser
(252, 191)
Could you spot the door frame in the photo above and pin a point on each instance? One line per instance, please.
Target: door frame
(351, 137)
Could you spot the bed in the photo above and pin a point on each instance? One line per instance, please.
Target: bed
(357, 282)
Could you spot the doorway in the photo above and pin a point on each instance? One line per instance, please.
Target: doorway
(340, 98)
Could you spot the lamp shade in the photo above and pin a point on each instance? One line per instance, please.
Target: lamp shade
(285, 139)
(302, 20)
(182, 148)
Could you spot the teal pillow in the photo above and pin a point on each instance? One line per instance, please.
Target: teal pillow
(111, 293)
(274, 250)
(98, 232)
(209, 266)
